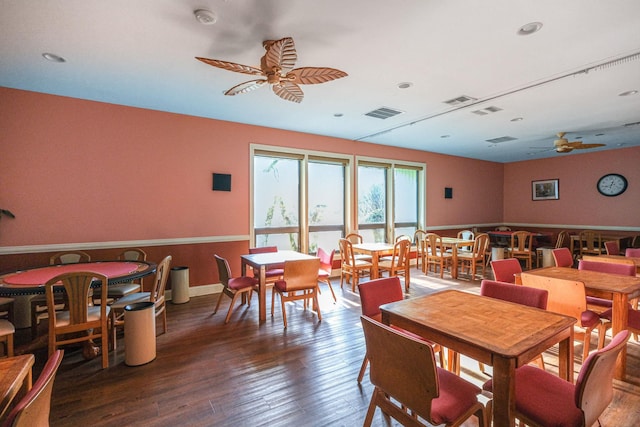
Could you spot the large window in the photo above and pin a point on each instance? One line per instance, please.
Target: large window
(390, 201)
(298, 200)
(303, 200)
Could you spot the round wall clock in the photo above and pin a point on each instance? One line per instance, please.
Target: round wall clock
(612, 184)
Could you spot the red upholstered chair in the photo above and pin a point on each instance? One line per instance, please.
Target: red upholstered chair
(373, 294)
(612, 247)
(531, 297)
(543, 399)
(404, 369)
(595, 303)
(504, 270)
(326, 265)
(632, 252)
(232, 286)
(34, 408)
(562, 257)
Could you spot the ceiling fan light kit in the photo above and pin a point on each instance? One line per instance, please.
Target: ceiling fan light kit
(276, 68)
(205, 16)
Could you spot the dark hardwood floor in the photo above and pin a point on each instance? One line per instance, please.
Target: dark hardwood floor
(241, 374)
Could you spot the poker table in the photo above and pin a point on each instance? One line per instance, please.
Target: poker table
(31, 281)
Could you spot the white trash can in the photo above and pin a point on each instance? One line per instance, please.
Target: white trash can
(139, 333)
(547, 257)
(179, 285)
(497, 252)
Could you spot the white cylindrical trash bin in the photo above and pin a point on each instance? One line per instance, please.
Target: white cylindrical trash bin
(179, 285)
(139, 333)
(497, 252)
(547, 257)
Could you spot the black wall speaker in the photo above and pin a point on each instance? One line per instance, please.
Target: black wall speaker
(221, 182)
(448, 193)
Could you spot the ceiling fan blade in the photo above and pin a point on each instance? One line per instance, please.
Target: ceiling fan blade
(245, 87)
(564, 149)
(583, 146)
(315, 75)
(281, 54)
(288, 91)
(231, 66)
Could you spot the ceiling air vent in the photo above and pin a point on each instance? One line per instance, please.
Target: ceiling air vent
(480, 112)
(383, 113)
(485, 111)
(501, 139)
(460, 100)
(493, 109)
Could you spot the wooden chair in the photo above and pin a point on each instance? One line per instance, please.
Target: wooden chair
(467, 235)
(115, 292)
(475, 258)
(505, 270)
(156, 296)
(7, 331)
(355, 238)
(399, 264)
(38, 303)
(373, 294)
(34, 408)
(232, 286)
(326, 266)
(544, 399)
(568, 297)
(408, 384)
(418, 240)
(562, 257)
(435, 255)
(300, 282)
(79, 321)
(522, 247)
(352, 268)
(590, 243)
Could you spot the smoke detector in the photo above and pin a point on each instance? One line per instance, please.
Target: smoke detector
(205, 17)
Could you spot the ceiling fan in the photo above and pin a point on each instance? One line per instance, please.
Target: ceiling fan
(562, 145)
(276, 66)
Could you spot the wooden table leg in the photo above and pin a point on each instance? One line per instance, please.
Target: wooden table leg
(504, 391)
(262, 294)
(618, 323)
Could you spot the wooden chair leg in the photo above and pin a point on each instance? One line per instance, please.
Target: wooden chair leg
(363, 369)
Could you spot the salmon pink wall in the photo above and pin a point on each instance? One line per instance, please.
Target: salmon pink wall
(579, 202)
(78, 171)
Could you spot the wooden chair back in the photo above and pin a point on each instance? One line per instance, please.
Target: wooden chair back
(521, 241)
(590, 242)
(402, 367)
(566, 297)
(354, 238)
(433, 245)
(160, 281)
(418, 240)
(562, 236)
(224, 271)
(132, 254)
(594, 386)
(301, 274)
(69, 257)
(34, 408)
(84, 322)
(346, 252)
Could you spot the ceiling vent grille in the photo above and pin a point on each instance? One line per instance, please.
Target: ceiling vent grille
(460, 100)
(501, 139)
(480, 112)
(383, 113)
(485, 111)
(493, 109)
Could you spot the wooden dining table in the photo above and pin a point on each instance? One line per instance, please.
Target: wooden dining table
(454, 244)
(375, 251)
(502, 334)
(623, 241)
(615, 287)
(262, 262)
(15, 379)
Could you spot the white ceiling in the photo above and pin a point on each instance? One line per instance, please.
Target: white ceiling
(566, 77)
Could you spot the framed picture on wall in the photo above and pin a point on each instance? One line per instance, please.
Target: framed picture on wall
(545, 190)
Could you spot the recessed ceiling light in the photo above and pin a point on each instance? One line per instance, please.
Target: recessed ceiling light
(530, 28)
(53, 57)
(338, 115)
(599, 134)
(517, 119)
(445, 136)
(205, 16)
(405, 85)
(627, 93)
